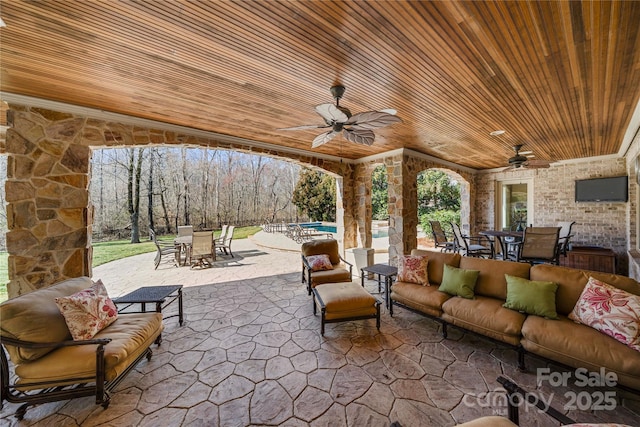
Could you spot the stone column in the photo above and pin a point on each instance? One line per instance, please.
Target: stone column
(403, 206)
(47, 191)
(362, 195)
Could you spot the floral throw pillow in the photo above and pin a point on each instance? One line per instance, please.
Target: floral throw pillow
(413, 269)
(609, 310)
(88, 312)
(319, 262)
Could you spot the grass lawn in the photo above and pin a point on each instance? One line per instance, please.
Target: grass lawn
(104, 252)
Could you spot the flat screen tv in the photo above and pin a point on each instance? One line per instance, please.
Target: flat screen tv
(613, 189)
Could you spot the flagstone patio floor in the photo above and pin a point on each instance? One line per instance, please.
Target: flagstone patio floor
(250, 354)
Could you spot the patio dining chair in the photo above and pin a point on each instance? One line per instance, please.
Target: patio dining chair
(225, 244)
(223, 234)
(564, 236)
(164, 250)
(185, 230)
(440, 238)
(202, 251)
(539, 245)
(474, 246)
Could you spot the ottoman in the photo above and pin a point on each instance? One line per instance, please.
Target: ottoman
(341, 302)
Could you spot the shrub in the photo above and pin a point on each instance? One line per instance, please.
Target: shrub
(445, 217)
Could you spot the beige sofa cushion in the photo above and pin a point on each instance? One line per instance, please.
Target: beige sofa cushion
(131, 335)
(35, 317)
(571, 282)
(488, 421)
(426, 299)
(491, 281)
(436, 263)
(485, 316)
(578, 345)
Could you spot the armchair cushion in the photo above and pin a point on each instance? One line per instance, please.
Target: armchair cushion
(322, 246)
(609, 310)
(413, 269)
(88, 312)
(319, 262)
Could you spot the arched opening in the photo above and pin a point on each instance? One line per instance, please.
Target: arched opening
(439, 199)
(380, 209)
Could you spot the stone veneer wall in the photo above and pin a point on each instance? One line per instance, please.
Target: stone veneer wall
(597, 223)
(47, 190)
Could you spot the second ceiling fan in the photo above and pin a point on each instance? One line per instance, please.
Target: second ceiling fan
(520, 160)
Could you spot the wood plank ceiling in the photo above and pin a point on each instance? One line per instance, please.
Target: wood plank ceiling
(562, 78)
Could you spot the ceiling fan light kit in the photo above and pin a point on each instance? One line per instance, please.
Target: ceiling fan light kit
(357, 128)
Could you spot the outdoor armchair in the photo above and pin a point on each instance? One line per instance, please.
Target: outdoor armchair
(224, 245)
(564, 236)
(340, 271)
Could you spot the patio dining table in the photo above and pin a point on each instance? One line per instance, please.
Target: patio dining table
(502, 237)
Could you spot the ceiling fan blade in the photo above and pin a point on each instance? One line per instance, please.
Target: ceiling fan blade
(323, 138)
(391, 111)
(304, 127)
(372, 120)
(331, 114)
(359, 136)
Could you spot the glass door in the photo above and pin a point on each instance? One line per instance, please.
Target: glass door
(515, 206)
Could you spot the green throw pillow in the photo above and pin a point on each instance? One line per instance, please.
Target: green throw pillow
(531, 297)
(457, 281)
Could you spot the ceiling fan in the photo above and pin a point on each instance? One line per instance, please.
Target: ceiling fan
(355, 128)
(521, 160)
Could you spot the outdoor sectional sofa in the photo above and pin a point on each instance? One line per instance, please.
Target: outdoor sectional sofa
(47, 365)
(562, 340)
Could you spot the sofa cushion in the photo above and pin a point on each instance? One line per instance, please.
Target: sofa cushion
(491, 281)
(413, 269)
(436, 263)
(571, 282)
(426, 299)
(131, 335)
(35, 317)
(319, 262)
(531, 297)
(458, 281)
(578, 345)
(609, 310)
(485, 316)
(88, 312)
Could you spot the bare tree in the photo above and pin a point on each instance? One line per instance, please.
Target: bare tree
(133, 192)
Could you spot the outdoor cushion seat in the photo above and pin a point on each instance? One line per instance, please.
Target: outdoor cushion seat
(345, 301)
(426, 299)
(574, 344)
(131, 335)
(342, 271)
(485, 316)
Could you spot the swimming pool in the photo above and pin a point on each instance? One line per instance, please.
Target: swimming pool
(333, 229)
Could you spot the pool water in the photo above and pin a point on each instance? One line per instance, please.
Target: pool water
(333, 229)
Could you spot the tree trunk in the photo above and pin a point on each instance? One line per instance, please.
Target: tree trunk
(150, 190)
(185, 183)
(133, 192)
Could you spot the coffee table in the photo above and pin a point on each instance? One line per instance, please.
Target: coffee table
(385, 275)
(154, 295)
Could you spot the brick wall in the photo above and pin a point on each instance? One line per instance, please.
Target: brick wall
(597, 223)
